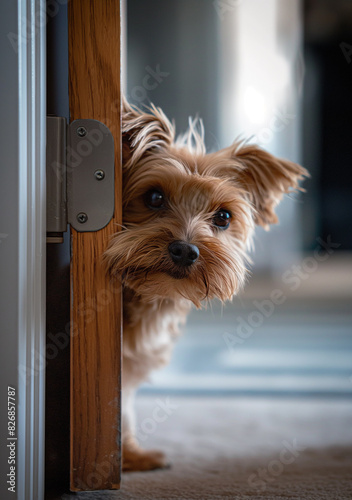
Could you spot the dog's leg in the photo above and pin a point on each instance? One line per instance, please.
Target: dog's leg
(134, 458)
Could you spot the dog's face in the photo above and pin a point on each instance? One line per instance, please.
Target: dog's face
(189, 216)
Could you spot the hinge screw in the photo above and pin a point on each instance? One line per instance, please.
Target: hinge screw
(81, 131)
(82, 217)
(99, 175)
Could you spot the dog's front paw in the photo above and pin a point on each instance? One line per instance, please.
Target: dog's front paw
(135, 458)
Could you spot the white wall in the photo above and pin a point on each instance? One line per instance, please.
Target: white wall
(262, 72)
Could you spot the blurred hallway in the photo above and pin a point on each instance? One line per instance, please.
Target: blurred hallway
(301, 346)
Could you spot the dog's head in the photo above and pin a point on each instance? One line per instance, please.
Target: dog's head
(188, 216)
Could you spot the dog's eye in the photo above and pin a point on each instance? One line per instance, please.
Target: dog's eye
(154, 199)
(221, 219)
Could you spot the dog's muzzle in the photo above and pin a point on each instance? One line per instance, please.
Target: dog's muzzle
(183, 254)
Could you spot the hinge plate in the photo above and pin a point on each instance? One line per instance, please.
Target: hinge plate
(80, 175)
(90, 175)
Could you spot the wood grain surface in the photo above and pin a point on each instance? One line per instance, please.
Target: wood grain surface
(94, 92)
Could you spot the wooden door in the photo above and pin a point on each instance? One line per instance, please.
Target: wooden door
(94, 92)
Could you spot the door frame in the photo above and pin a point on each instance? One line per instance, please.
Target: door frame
(94, 40)
(23, 238)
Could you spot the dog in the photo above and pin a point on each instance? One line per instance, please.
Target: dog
(188, 223)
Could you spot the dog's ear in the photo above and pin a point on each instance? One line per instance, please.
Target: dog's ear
(262, 176)
(143, 131)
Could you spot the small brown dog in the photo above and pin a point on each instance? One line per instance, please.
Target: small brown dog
(188, 223)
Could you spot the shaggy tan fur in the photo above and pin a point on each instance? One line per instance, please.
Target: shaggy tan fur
(242, 179)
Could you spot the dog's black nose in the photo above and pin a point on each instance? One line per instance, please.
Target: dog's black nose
(182, 253)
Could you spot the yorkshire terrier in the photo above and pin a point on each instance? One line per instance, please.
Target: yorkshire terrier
(188, 221)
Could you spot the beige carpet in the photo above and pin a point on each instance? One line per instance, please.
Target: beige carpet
(229, 448)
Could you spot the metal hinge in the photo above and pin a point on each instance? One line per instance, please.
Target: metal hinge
(80, 176)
